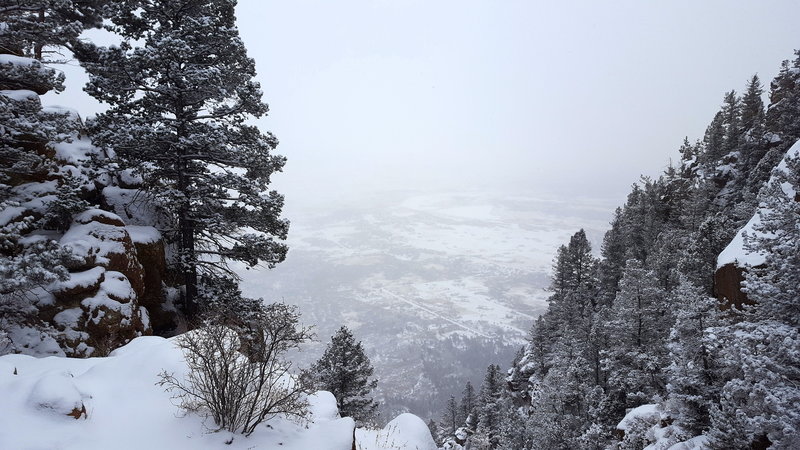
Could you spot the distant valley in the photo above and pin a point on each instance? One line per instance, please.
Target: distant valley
(443, 283)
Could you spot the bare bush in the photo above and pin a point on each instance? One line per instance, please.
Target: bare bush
(237, 371)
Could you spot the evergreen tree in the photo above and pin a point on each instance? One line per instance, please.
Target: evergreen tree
(42, 28)
(731, 111)
(614, 252)
(713, 144)
(490, 408)
(345, 371)
(783, 113)
(181, 91)
(753, 106)
(450, 417)
(637, 355)
(433, 427)
(468, 403)
(694, 373)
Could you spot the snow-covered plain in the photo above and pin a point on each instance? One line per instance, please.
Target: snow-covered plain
(437, 284)
(116, 404)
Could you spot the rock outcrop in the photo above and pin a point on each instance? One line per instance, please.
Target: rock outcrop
(115, 284)
(734, 260)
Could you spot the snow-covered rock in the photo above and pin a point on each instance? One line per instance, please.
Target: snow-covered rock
(735, 252)
(56, 392)
(734, 259)
(648, 413)
(406, 431)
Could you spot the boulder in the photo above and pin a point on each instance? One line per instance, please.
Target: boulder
(151, 255)
(113, 316)
(728, 286)
(99, 238)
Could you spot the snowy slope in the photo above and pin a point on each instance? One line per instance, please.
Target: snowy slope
(120, 407)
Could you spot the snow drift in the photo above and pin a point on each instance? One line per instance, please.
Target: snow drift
(114, 402)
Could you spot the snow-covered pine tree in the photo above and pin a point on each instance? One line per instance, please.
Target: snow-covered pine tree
(759, 402)
(489, 409)
(783, 113)
(637, 354)
(40, 29)
(345, 371)
(468, 403)
(694, 376)
(181, 92)
(451, 417)
(433, 427)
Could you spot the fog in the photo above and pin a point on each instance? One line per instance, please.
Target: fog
(564, 98)
(549, 98)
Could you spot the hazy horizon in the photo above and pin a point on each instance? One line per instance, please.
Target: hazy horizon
(547, 99)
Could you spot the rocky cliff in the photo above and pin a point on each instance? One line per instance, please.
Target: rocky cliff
(69, 192)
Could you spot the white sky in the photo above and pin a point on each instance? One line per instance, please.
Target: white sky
(564, 97)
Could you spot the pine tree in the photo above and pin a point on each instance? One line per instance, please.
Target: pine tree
(752, 105)
(694, 374)
(180, 89)
(468, 402)
(614, 253)
(450, 417)
(783, 113)
(761, 351)
(345, 371)
(636, 357)
(713, 144)
(42, 28)
(490, 408)
(433, 427)
(731, 111)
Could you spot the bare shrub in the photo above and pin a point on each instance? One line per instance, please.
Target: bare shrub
(237, 371)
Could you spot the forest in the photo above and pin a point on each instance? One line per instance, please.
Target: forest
(683, 333)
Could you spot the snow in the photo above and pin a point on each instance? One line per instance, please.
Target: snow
(68, 318)
(95, 239)
(56, 392)
(644, 412)
(8, 214)
(131, 204)
(18, 60)
(76, 280)
(72, 113)
(125, 409)
(143, 234)
(695, 443)
(115, 293)
(735, 252)
(30, 340)
(406, 431)
(78, 151)
(19, 95)
(89, 215)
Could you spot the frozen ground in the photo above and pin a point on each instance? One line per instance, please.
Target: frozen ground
(117, 405)
(442, 283)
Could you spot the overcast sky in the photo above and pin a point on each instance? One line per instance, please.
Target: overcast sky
(564, 97)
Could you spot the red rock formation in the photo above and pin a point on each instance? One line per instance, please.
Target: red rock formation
(728, 286)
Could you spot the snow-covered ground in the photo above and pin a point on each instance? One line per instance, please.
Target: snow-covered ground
(116, 404)
(447, 281)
